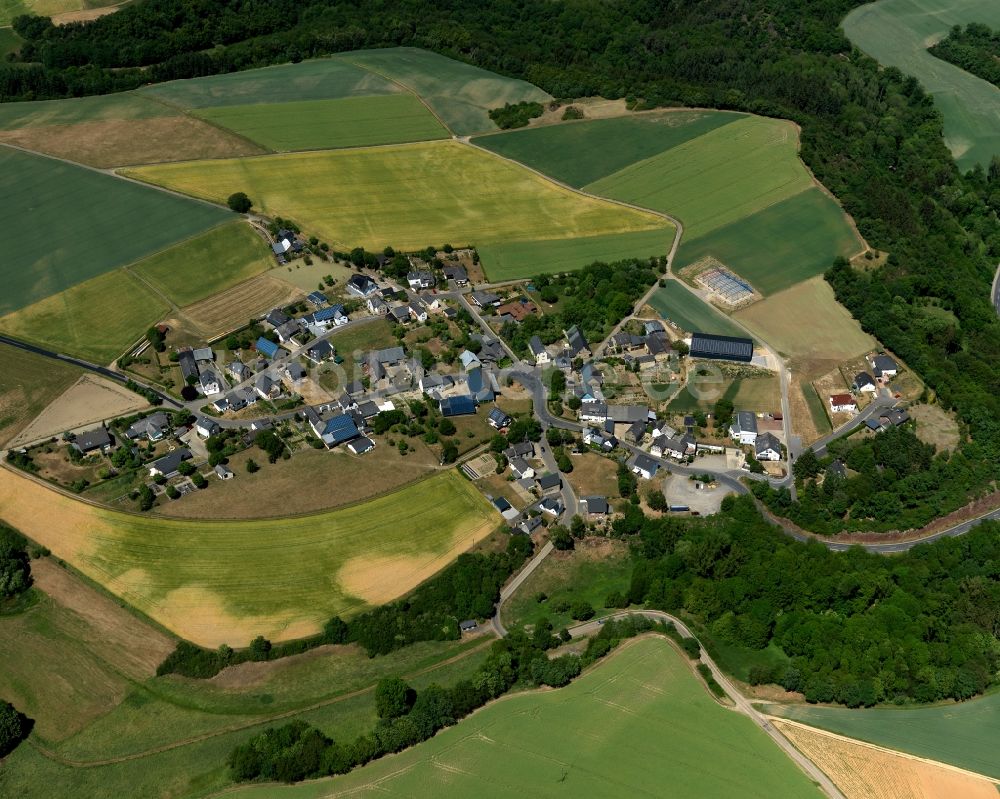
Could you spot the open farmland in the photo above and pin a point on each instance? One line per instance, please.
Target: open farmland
(206, 264)
(203, 579)
(897, 33)
(862, 771)
(806, 321)
(115, 130)
(566, 152)
(640, 720)
(233, 308)
(720, 177)
(963, 734)
(328, 124)
(460, 94)
(88, 224)
(691, 313)
(46, 8)
(28, 383)
(320, 79)
(775, 248)
(96, 320)
(407, 196)
(517, 259)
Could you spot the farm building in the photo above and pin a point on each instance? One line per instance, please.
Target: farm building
(338, 429)
(721, 348)
(457, 406)
(361, 445)
(223, 472)
(548, 482)
(266, 348)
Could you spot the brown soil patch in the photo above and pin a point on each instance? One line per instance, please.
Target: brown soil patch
(139, 647)
(92, 399)
(86, 14)
(804, 425)
(126, 142)
(232, 309)
(863, 771)
(935, 426)
(244, 676)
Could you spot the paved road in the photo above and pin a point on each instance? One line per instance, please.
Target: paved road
(996, 290)
(514, 584)
(742, 704)
(882, 401)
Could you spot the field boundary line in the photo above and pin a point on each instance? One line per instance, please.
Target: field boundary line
(779, 720)
(54, 756)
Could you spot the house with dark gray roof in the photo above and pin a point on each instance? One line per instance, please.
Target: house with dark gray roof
(209, 382)
(456, 274)
(276, 318)
(627, 414)
(547, 482)
(644, 466)
(576, 343)
(420, 279)
(362, 286)
(883, 366)
(93, 440)
(498, 419)
(552, 506)
(169, 463)
(361, 445)
(485, 298)
(864, 382)
(767, 447)
(239, 371)
(462, 405)
(523, 449)
(320, 351)
(595, 506)
(744, 427)
(189, 368)
(152, 427)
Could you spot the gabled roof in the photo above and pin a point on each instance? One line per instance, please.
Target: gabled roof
(389, 355)
(862, 379)
(519, 450)
(276, 317)
(745, 422)
(317, 298)
(325, 314)
(706, 345)
(498, 417)
(339, 429)
(645, 463)
(320, 350)
(547, 481)
(92, 439)
(576, 341)
(168, 463)
(362, 283)
(766, 441)
(883, 363)
(266, 347)
(458, 406)
(456, 273)
(594, 408)
(842, 399)
(628, 414)
(595, 504)
(204, 354)
(295, 371)
(483, 298)
(361, 445)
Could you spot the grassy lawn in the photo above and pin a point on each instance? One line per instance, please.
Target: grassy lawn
(640, 720)
(589, 573)
(319, 124)
(465, 196)
(321, 79)
(780, 246)
(594, 475)
(516, 259)
(88, 224)
(897, 33)
(202, 579)
(27, 384)
(363, 338)
(806, 321)
(817, 408)
(963, 735)
(460, 94)
(689, 312)
(720, 177)
(97, 319)
(566, 152)
(206, 264)
(10, 42)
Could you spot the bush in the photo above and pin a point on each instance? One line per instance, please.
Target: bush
(616, 599)
(14, 728)
(517, 115)
(581, 611)
(393, 698)
(15, 569)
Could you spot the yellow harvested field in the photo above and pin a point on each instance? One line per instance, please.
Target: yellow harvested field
(408, 196)
(864, 771)
(235, 307)
(806, 321)
(215, 582)
(90, 400)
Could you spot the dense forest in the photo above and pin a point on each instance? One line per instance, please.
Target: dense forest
(975, 48)
(872, 135)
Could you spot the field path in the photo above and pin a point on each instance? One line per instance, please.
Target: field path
(56, 757)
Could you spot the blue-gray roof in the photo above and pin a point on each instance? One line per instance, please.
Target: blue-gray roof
(340, 428)
(266, 347)
(328, 313)
(458, 406)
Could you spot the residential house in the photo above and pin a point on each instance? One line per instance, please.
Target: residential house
(420, 279)
(676, 447)
(506, 510)
(239, 371)
(433, 384)
(333, 315)
(593, 437)
(485, 299)
(320, 351)
(644, 466)
(362, 286)
(418, 312)
(377, 306)
(450, 313)
(744, 427)
(595, 411)
(98, 439)
(595, 506)
(317, 298)
(498, 419)
(154, 427)
(399, 314)
(210, 383)
(894, 417)
(203, 354)
(530, 525)
(636, 432)
(767, 447)
(287, 332)
(206, 427)
(469, 360)
(576, 343)
(223, 472)
(658, 346)
(267, 348)
(491, 351)
(167, 465)
(524, 449)
(266, 388)
(520, 468)
(865, 383)
(189, 368)
(481, 385)
(276, 318)
(843, 403)
(538, 351)
(368, 410)
(337, 430)
(468, 625)
(552, 506)
(295, 373)
(548, 482)
(462, 405)
(361, 445)
(457, 275)
(517, 309)
(884, 367)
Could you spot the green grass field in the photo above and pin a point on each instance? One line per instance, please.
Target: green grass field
(10, 42)
(328, 124)
(690, 313)
(460, 94)
(516, 259)
(206, 264)
(760, 394)
(219, 581)
(782, 245)
(964, 735)
(322, 79)
(638, 724)
(717, 178)
(88, 224)
(45, 8)
(897, 33)
(566, 152)
(408, 196)
(95, 320)
(71, 111)
(27, 384)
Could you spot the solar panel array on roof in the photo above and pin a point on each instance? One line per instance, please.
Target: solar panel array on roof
(725, 348)
(339, 429)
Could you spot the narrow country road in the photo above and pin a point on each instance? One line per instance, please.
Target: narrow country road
(514, 584)
(742, 704)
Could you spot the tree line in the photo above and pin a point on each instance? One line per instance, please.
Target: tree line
(974, 48)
